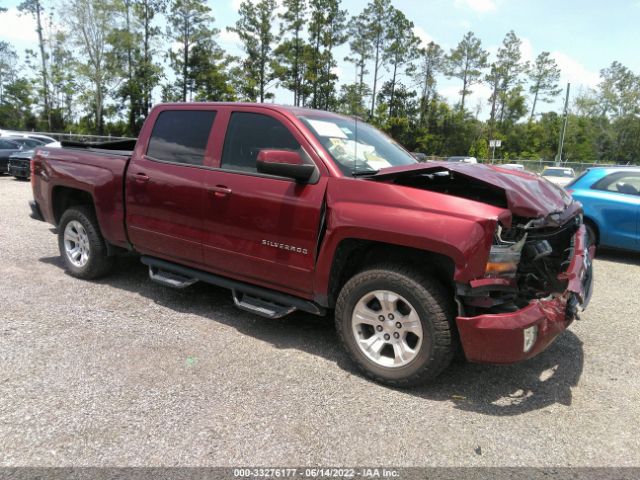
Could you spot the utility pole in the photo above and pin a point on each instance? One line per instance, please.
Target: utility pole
(564, 126)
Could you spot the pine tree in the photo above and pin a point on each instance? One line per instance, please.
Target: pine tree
(255, 31)
(189, 25)
(466, 62)
(403, 49)
(431, 64)
(35, 9)
(544, 76)
(289, 67)
(377, 18)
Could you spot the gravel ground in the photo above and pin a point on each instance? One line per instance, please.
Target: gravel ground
(124, 372)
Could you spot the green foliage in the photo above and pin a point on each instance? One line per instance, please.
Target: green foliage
(196, 53)
(254, 27)
(466, 62)
(544, 75)
(327, 30)
(104, 70)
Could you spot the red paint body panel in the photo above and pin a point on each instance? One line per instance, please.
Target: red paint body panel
(97, 174)
(360, 209)
(528, 195)
(499, 338)
(265, 230)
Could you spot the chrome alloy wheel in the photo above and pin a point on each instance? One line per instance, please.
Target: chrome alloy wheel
(76, 243)
(387, 328)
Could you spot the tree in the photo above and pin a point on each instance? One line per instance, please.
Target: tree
(402, 50)
(466, 62)
(326, 31)
(255, 31)
(16, 112)
(431, 63)
(351, 101)
(544, 76)
(34, 8)
(377, 15)
(209, 71)
(91, 23)
(619, 91)
(148, 72)
(189, 25)
(64, 84)
(290, 53)
(8, 67)
(360, 54)
(509, 68)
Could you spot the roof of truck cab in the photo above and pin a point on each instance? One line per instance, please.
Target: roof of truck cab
(297, 111)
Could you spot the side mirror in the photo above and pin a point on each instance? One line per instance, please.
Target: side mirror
(284, 163)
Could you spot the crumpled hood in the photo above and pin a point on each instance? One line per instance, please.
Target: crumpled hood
(528, 195)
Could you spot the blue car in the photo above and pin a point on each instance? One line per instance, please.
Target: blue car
(611, 200)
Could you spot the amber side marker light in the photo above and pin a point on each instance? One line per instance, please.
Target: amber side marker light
(501, 268)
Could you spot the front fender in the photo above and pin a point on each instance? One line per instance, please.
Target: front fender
(390, 216)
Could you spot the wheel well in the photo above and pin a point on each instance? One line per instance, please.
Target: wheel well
(63, 198)
(353, 256)
(594, 227)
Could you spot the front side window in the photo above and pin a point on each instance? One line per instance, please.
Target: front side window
(247, 134)
(356, 146)
(181, 136)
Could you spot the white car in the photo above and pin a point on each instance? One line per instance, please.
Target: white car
(559, 175)
(513, 166)
(463, 159)
(47, 141)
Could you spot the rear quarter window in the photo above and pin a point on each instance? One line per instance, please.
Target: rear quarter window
(181, 136)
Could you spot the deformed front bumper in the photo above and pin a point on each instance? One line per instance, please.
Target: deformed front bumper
(500, 338)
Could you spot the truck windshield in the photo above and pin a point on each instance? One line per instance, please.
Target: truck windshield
(356, 147)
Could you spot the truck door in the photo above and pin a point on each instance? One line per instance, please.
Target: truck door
(260, 228)
(164, 188)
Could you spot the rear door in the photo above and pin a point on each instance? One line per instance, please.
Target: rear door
(260, 228)
(164, 185)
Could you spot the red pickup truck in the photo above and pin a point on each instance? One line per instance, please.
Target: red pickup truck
(296, 209)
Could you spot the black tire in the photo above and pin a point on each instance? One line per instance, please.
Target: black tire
(434, 308)
(99, 263)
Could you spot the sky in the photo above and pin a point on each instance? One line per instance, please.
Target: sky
(583, 36)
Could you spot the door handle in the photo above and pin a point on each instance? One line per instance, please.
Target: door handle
(141, 177)
(220, 191)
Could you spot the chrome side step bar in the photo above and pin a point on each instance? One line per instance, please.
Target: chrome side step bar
(258, 300)
(170, 279)
(259, 306)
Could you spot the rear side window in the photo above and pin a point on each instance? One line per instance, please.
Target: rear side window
(621, 182)
(181, 136)
(247, 134)
(4, 145)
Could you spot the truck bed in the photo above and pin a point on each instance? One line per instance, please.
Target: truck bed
(120, 147)
(99, 170)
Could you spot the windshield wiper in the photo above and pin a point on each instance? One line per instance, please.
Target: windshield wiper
(364, 173)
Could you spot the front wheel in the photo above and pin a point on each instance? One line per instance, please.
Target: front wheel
(396, 325)
(81, 244)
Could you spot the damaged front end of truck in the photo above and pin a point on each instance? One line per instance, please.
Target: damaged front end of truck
(538, 273)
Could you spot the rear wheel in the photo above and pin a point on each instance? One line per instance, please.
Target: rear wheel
(81, 244)
(396, 324)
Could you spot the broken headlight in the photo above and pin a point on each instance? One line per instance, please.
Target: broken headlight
(504, 256)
